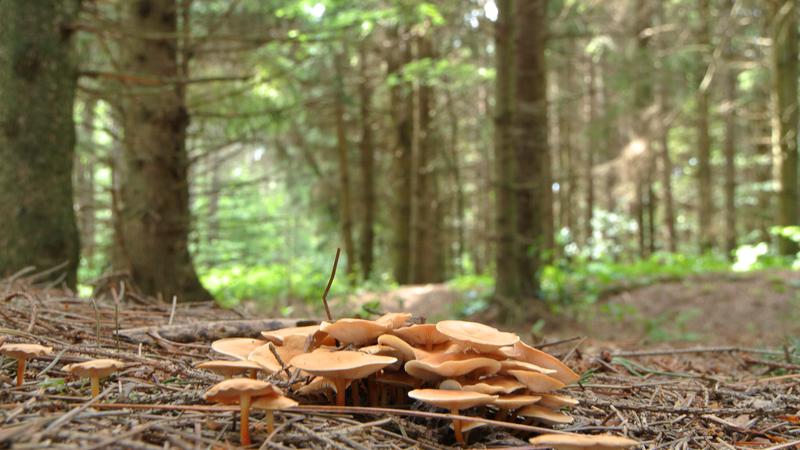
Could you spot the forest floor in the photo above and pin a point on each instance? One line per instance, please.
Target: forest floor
(717, 393)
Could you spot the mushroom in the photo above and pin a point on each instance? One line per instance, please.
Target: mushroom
(446, 365)
(269, 404)
(557, 401)
(513, 364)
(339, 367)
(94, 370)
(467, 427)
(238, 348)
(476, 336)
(495, 385)
(394, 320)
(536, 382)
(241, 391)
(292, 346)
(354, 331)
(229, 369)
(506, 403)
(425, 334)
(583, 442)
(22, 353)
(277, 336)
(452, 401)
(545, 415)
(403, 347)
(525, 352)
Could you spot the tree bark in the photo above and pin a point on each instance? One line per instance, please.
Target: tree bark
(506, 277)
(154, 196)
(342, 150)
(84, 180)
(38, 77)
(590, 150)
(664, 81)
(730, 82)
(533, 179)
(367, 148)
(705, 204)
(785, 116)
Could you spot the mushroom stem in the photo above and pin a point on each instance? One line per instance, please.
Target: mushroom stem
(502, 413)
(95, 386)
(341, 386)
(372, 390)
(457, 427)
(244, 423)
(270, 421)
(354, 392)
(20, 371)
(253, 374)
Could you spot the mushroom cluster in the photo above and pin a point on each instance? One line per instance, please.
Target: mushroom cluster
(454, 365)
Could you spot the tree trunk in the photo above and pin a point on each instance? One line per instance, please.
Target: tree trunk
(664, 81)
(402, 117)
(367, 147)
(533, 180)
(342, 150)
(154, 197)
(37, 137)
(84, 180)
(729, 146)
(785, 116)
(590, 150)
(705, 204)
(506, 277)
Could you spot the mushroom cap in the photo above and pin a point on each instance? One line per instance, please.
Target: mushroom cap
(514, 364)
(94, 368)
(581, 441)
(228, 368)
(444, 365)
(354, 331)
(449, 399)
(394, 320)
(558, 401)
(525, 352)
(346, 365)
(536, 382)
(403, 348)
(543, 414)
(468, 426)
(515, 401)
(423, 334)
(495, 385)
(277, 336)
(25, 351)
(230, 391)
(238, 348)
(452, 385)
(478, 336)
(292, 346)
(317, 385)
(272, 402)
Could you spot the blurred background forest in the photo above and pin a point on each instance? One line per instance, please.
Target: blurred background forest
(520, 150)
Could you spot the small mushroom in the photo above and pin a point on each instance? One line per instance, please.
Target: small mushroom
(450, 365)
(476, 336)
(354, 331)
(339, 367)
(425, 334)
(230, 369)
(277, 336)
(94, 370)
(241, 391)
(394, 320)
(292, 346)
(495, 385)
(545, 415)
(583, 442)
(404, 348)
(270, 403)
(535, 381)
(524, 352)
(22, 353)
(452, 401)
(506, 403)
(238, 348)
(557, 401)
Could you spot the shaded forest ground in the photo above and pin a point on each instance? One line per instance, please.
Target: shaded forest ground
(760, 308)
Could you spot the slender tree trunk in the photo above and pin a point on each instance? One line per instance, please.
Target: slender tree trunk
(533, 179)
(705, 204)
(84, 166)
(342, 151)
(506, 277)
(643, 99)
(590, 150)
(154, 198)
(402, 118)
(729, 146)
(367, 147)
(785, 116)
(664, 80)
(455, 170)
(37, 137)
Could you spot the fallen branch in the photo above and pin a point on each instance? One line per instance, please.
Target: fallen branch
(209, 331)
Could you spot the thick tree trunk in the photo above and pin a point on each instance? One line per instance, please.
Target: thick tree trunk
(342, 151)
(506, 277)
(705, 204)
(533, 180)
(154, 197)
(785, 116)
(402, 117)
(37, 137)
(367, 148)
